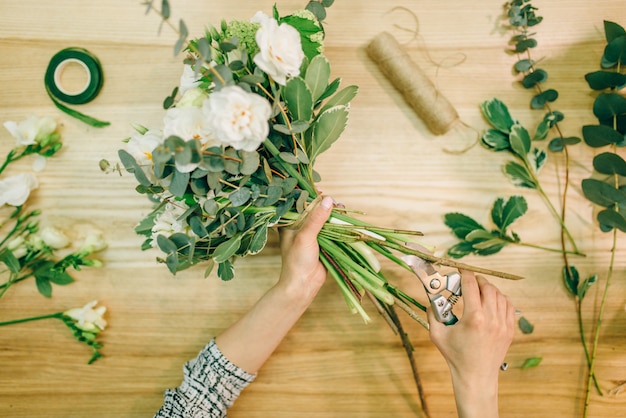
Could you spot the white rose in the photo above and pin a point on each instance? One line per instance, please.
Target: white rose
(31, 130)
(54, 238)
(87, 318)
(18, 247)
(238, 118)
(188, 80)
(280, 48)
(141, 147)
(14, 190)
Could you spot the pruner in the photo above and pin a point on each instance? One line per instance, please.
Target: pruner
(435, 284)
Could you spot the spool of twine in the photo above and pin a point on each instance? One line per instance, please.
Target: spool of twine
(409, 79)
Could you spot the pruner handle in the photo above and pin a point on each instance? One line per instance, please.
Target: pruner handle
(442, 308)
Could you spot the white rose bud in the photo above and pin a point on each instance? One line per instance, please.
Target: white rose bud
(54, 238)
(87, 318)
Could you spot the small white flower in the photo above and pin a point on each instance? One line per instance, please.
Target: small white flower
(87, 318)
(187, 123)
(188, 80)
(54, 238)
(238, 118)
(18, 247)
(31, 130)
(140, 146)
(192, 97)
(167, 222)
(14, 190)
(280, 47)
(94, 242)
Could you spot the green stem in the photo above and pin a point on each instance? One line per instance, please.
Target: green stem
(306, 185)
(57, 315)
(583, 340)
(596, 336)
(554, 250)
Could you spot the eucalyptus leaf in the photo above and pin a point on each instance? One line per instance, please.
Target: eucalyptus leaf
(600, 135)
(288, 157)
(179, 183)
(523, 65)
(240, 196)
(131, 166)
(525, 326)
(609, 105)
(546, 96)
(198, 228)
(602, 193)
(534, 78)
(166, 245)
(609, 163)
(524, 45)
(601, 80)
(613, 30)
(615, 52)
(250, 162)
(613, 219)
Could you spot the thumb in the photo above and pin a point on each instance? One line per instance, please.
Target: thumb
(316, 219)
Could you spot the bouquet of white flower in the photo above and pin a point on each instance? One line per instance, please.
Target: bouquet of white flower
(235, 156)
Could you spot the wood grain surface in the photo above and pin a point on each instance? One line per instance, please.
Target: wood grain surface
(387, 165)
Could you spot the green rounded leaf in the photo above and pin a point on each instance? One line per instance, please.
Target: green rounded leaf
(613, 30)
(609, 105)
(602, 193)
(613, 219)
(609, 163)
(534, 78)
(600, 135)
(601, 80)
(524, 65)
(497, 114)
(540, 100)
(614, 52)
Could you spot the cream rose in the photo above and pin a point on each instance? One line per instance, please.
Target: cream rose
(238, 118)
(14, 190)
(280, 48)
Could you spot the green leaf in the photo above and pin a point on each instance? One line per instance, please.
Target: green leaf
(331, 89)
(197, 226)
(609, 105)
(12, 263)
(558, 144)
(179, 183)
(540, 100)
(497, 114)
(597, 136)
(341, 98)
(60, 277)
(613, 30)
(523, 65)
(614, 52)
(609, 163)
(534, 78)
(131, 166)
(317, 76)
(460, 249)
(585, 285)
(317, 9)
(514, 208)
(258, 240)
(461, 224)
(240, 196)
(524, 45)
(226, 270)
(327, 128)
(612, 219)
(479, 235)
(273, 194)
(166, 245)
(489, 247)
(299, 99)
(495, 140)
(537, 158)
(519, 175)
(227, 249)
(531, 362)
(601, 80)
(520, 140)
(496, 212)
(571, 279)
(43, 286)
(525, 326)
(602, 193)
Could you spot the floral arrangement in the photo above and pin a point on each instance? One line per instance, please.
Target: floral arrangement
(26, 251)
(254, 109)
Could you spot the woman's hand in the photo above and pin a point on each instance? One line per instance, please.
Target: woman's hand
(475, 346)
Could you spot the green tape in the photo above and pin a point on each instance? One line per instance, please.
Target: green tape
(94, 83)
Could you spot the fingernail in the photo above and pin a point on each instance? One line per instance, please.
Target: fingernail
(327, 202)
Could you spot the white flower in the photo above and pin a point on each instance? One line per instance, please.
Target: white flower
(14, 190)
(18, 247)
(54, 238)
(188, 80)
(187, 123)
(280, 48)
(140, 146)
(87, 318)
(238, 118)
(31, 130)
(167, 222)
(94, 242)
(192, 97)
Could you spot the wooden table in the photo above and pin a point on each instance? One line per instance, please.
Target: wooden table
(387, 164)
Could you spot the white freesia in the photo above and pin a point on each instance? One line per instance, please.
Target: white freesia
(93, 242)
(188, 80)
(238, 118)
(18, 247)
(54, 238)
(280, 48)
(87, 318)
(14, 190)
(168, 222)
(31, 130)
(140, 146)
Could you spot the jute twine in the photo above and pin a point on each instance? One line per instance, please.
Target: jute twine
(410, 80)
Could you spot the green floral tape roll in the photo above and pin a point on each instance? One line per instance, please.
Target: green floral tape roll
(60, 95)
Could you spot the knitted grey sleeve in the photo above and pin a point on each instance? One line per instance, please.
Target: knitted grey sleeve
(211, 383)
